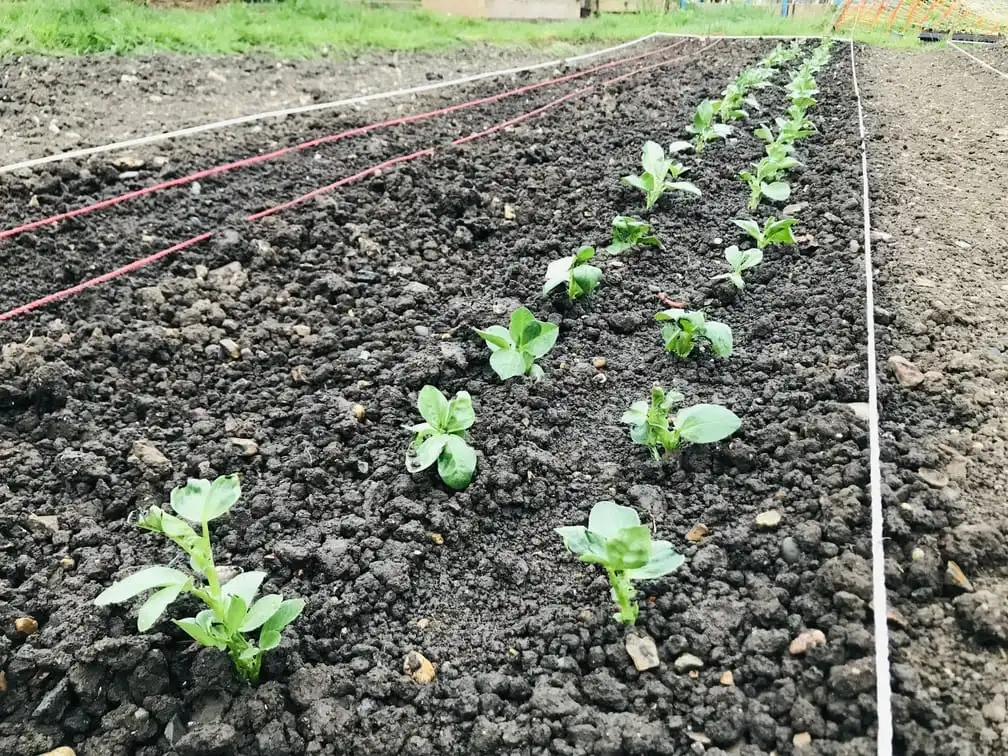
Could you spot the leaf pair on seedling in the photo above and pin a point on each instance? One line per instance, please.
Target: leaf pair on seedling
(704, 128)
(765, 180)
(630, 232)
(616, 540)
(231, 609)
(516, 348)
(773, 232)
(441, 438)
(580, 278)
(652, 425)
(654, 181)
(683, 329)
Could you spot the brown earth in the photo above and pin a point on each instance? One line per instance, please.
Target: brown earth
(939, 173)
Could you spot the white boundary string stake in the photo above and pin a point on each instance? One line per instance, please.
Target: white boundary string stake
(315, 107)
(983, 63)
(883, 690)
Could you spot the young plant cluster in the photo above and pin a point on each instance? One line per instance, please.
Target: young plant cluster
(232, 609)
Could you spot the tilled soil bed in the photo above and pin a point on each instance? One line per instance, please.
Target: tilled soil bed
(364, 296)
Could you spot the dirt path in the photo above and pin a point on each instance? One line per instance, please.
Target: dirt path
(52, 105)
(939, 169)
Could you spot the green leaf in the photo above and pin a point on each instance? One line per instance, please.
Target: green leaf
(629, 548)
(575, 538)
(200, 634)
(200, 500)
(260, 612)
(457, 463)
(637, 182)
(680, 146)
(507, 363)
(426, 454)
(235, 615)
(737, 281)
(461, 414)
(653, 159)
(287, 612)
(677, 340)
(608, 517)
(587, 278)
(720, 337)
(651, 241)
(542, 343)
(684, 186)
(749, 226)
(138, 582)
(520, 320)
(557, 272)
(496, 337)
(778, 191)
(268, 639)
(536, 373)
(637, 413)
(433, 407)
(618, 248)
(750, 258)
(154, 606)
(245, 585)
(664, 560)
(584, 254)
(706, 423)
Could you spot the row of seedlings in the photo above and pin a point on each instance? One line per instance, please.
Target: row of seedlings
(614, 537)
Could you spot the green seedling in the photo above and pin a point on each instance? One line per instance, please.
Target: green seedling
(703, 128)
(654, 181)
(754, 77)
(739, 260)
(442, 438)
(652, 425)
(765, 180)
(580, 278)
(732, 100)
(516, 348)
(802, 89)
(616, 540)
(781, 55)
(630, 232)
(789, 131)
(232, 609)
(773, 232)
(683, 329)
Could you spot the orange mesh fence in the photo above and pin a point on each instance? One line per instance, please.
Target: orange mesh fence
(913, 17)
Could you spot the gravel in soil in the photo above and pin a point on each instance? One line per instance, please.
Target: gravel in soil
(939, 175)
(113, 397)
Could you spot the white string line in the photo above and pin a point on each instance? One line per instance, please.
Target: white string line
(315, 107)
(883, 690)
(983, 63)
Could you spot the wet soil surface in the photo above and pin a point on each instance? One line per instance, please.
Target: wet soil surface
(364, 296)
(50, 105)
(939, 174)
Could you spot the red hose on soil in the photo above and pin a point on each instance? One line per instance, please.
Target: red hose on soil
(137, 264)
(183, 180)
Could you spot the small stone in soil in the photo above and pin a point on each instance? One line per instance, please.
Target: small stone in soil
(956, 578)
(67, 563)
(769, 519)
(907, 374)
(150, 456)
(934, 478)
(249, 448)
(801, 739)
(599, 363)
(359, 411)
(437, 539)
(697, 533)
(687, 662)
(26, 625)
(509, 211)
(231, 348)
(47, 522)
(896, 619)
(417, 666)
(642, 651)
(61, 751)
(805, 641)
(3, 681)
(728, 678)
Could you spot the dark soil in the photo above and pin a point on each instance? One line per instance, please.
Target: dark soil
(50, 105)
(365, 296)
(939, 171)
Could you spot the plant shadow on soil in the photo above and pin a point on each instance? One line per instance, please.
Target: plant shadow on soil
(389, 275)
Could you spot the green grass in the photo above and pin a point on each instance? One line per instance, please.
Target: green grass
(310, 28)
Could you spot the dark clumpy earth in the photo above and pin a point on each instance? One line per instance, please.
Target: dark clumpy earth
(111, 398)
